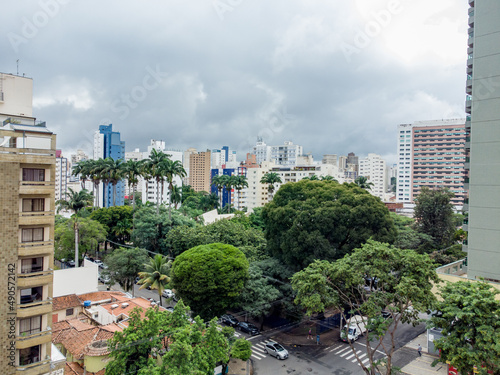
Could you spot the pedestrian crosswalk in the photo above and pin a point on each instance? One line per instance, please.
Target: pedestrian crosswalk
(258, 350)
(345, 351)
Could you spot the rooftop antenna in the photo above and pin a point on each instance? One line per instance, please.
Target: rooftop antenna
(17, 61)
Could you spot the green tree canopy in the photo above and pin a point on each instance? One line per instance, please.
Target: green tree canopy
(231, 232)
(434, 215)
(124, 264)
(151, 228)
(210, 278)
(117, 221)
(469, 317)
(155, 274)
(396, 279)
(310, 220)
(91, 233)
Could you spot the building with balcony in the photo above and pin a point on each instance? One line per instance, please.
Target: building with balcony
(199, 171)
(62, 170)
(374, 169)
(432, 154)
(27, 167)
(483, 140)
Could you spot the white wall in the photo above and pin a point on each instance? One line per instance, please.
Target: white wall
(79, 280)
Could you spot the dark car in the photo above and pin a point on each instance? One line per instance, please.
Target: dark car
(229, 320)
(248, 328)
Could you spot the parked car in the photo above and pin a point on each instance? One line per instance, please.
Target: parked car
(229, 320)
(105, 279)
(276, 350)
(167, 293)
(71, 263)
(248, 328)
(98, 262)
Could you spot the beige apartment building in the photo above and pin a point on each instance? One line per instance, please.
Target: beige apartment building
(27, 186)
(199, 171)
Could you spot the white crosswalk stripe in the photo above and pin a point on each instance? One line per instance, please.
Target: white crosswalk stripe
(343, 350)
(258, 350)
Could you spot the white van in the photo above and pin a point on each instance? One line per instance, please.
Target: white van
(354, 328)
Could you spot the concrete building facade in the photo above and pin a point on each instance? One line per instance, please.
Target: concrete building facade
(199, 171)
(373, 167)
(27, 204)
(432, 154)
(483, 140)
(62, 170)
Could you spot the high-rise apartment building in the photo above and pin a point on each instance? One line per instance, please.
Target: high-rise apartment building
(223, 158)
(286, 154)
(374, 169)
(107, 144)
(330, 159)
(62, 169)
(186, 163)
(261, 151)
(432, 154)
(27, 205)
(483, 140)
(199, 171)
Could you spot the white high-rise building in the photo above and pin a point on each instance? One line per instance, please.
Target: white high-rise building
(286, 154)
(374, 169)
(261, 151)
(405, 157)
(62, 170)
(225, 157)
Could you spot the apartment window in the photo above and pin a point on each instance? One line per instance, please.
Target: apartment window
(32, 234)
(33, 204)
(29, 355)
(32, 265)
(69, 312)
(31, 295)
(31, 325)
(32, 174)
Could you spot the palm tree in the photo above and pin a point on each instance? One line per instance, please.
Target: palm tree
(363, 183)
(132, 170)
(241, 182)
(82, 169)
(220, 182)
(171, 169)
(76, 202)
(270, 178)
(156, 274)
(176, 195)
(328, 178)
(312, 178)
(113, 169)
(153, 168)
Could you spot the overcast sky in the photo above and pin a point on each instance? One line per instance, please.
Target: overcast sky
(333, 76)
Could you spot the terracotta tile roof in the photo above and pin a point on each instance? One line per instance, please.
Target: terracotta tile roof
(74, 368)
(103, 297)
(65, 302)
(113, 327)
(56, 327)
(79, 325)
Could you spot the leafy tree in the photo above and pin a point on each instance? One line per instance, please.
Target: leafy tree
(363, 182)
(328, 178)
(238, 348)
(258, 295)
(156, 274)
(448, 255)
(397, 279)
(434, 215)
(408, 237)
(231, 232)
(468, 315)
(117, 221)
(270, 178)
(151, 228)
(124, 265)
(210, 278)
(76, 201)
(90, 234)
(310, 220)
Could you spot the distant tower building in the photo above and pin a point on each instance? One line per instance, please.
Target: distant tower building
(374, 169)
(432, 154)
(329, 159)
(199, 171)
(61, 176)
(261, 151)
(223, 157)
(286, 154)
(107, 144)
(186, 158)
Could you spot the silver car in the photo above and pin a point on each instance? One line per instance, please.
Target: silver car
(276, 350)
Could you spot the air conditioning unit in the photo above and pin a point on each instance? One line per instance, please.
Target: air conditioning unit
(125, 304)
(114, 306)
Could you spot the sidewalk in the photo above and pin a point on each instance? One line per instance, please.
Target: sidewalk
(422, 365)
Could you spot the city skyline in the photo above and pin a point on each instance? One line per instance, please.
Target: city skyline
(333, 77)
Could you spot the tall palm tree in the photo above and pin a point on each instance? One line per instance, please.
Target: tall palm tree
(363, 183)
(97, 175)
(82, 169)
(172, 169)
(75, 202)
(208, 201)
(132, 170)
(113, 170)
(176, 195)
(220, 182)
(241, 183)
(312, 178)
(156, 274)
(153, 168)
(270, 178)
